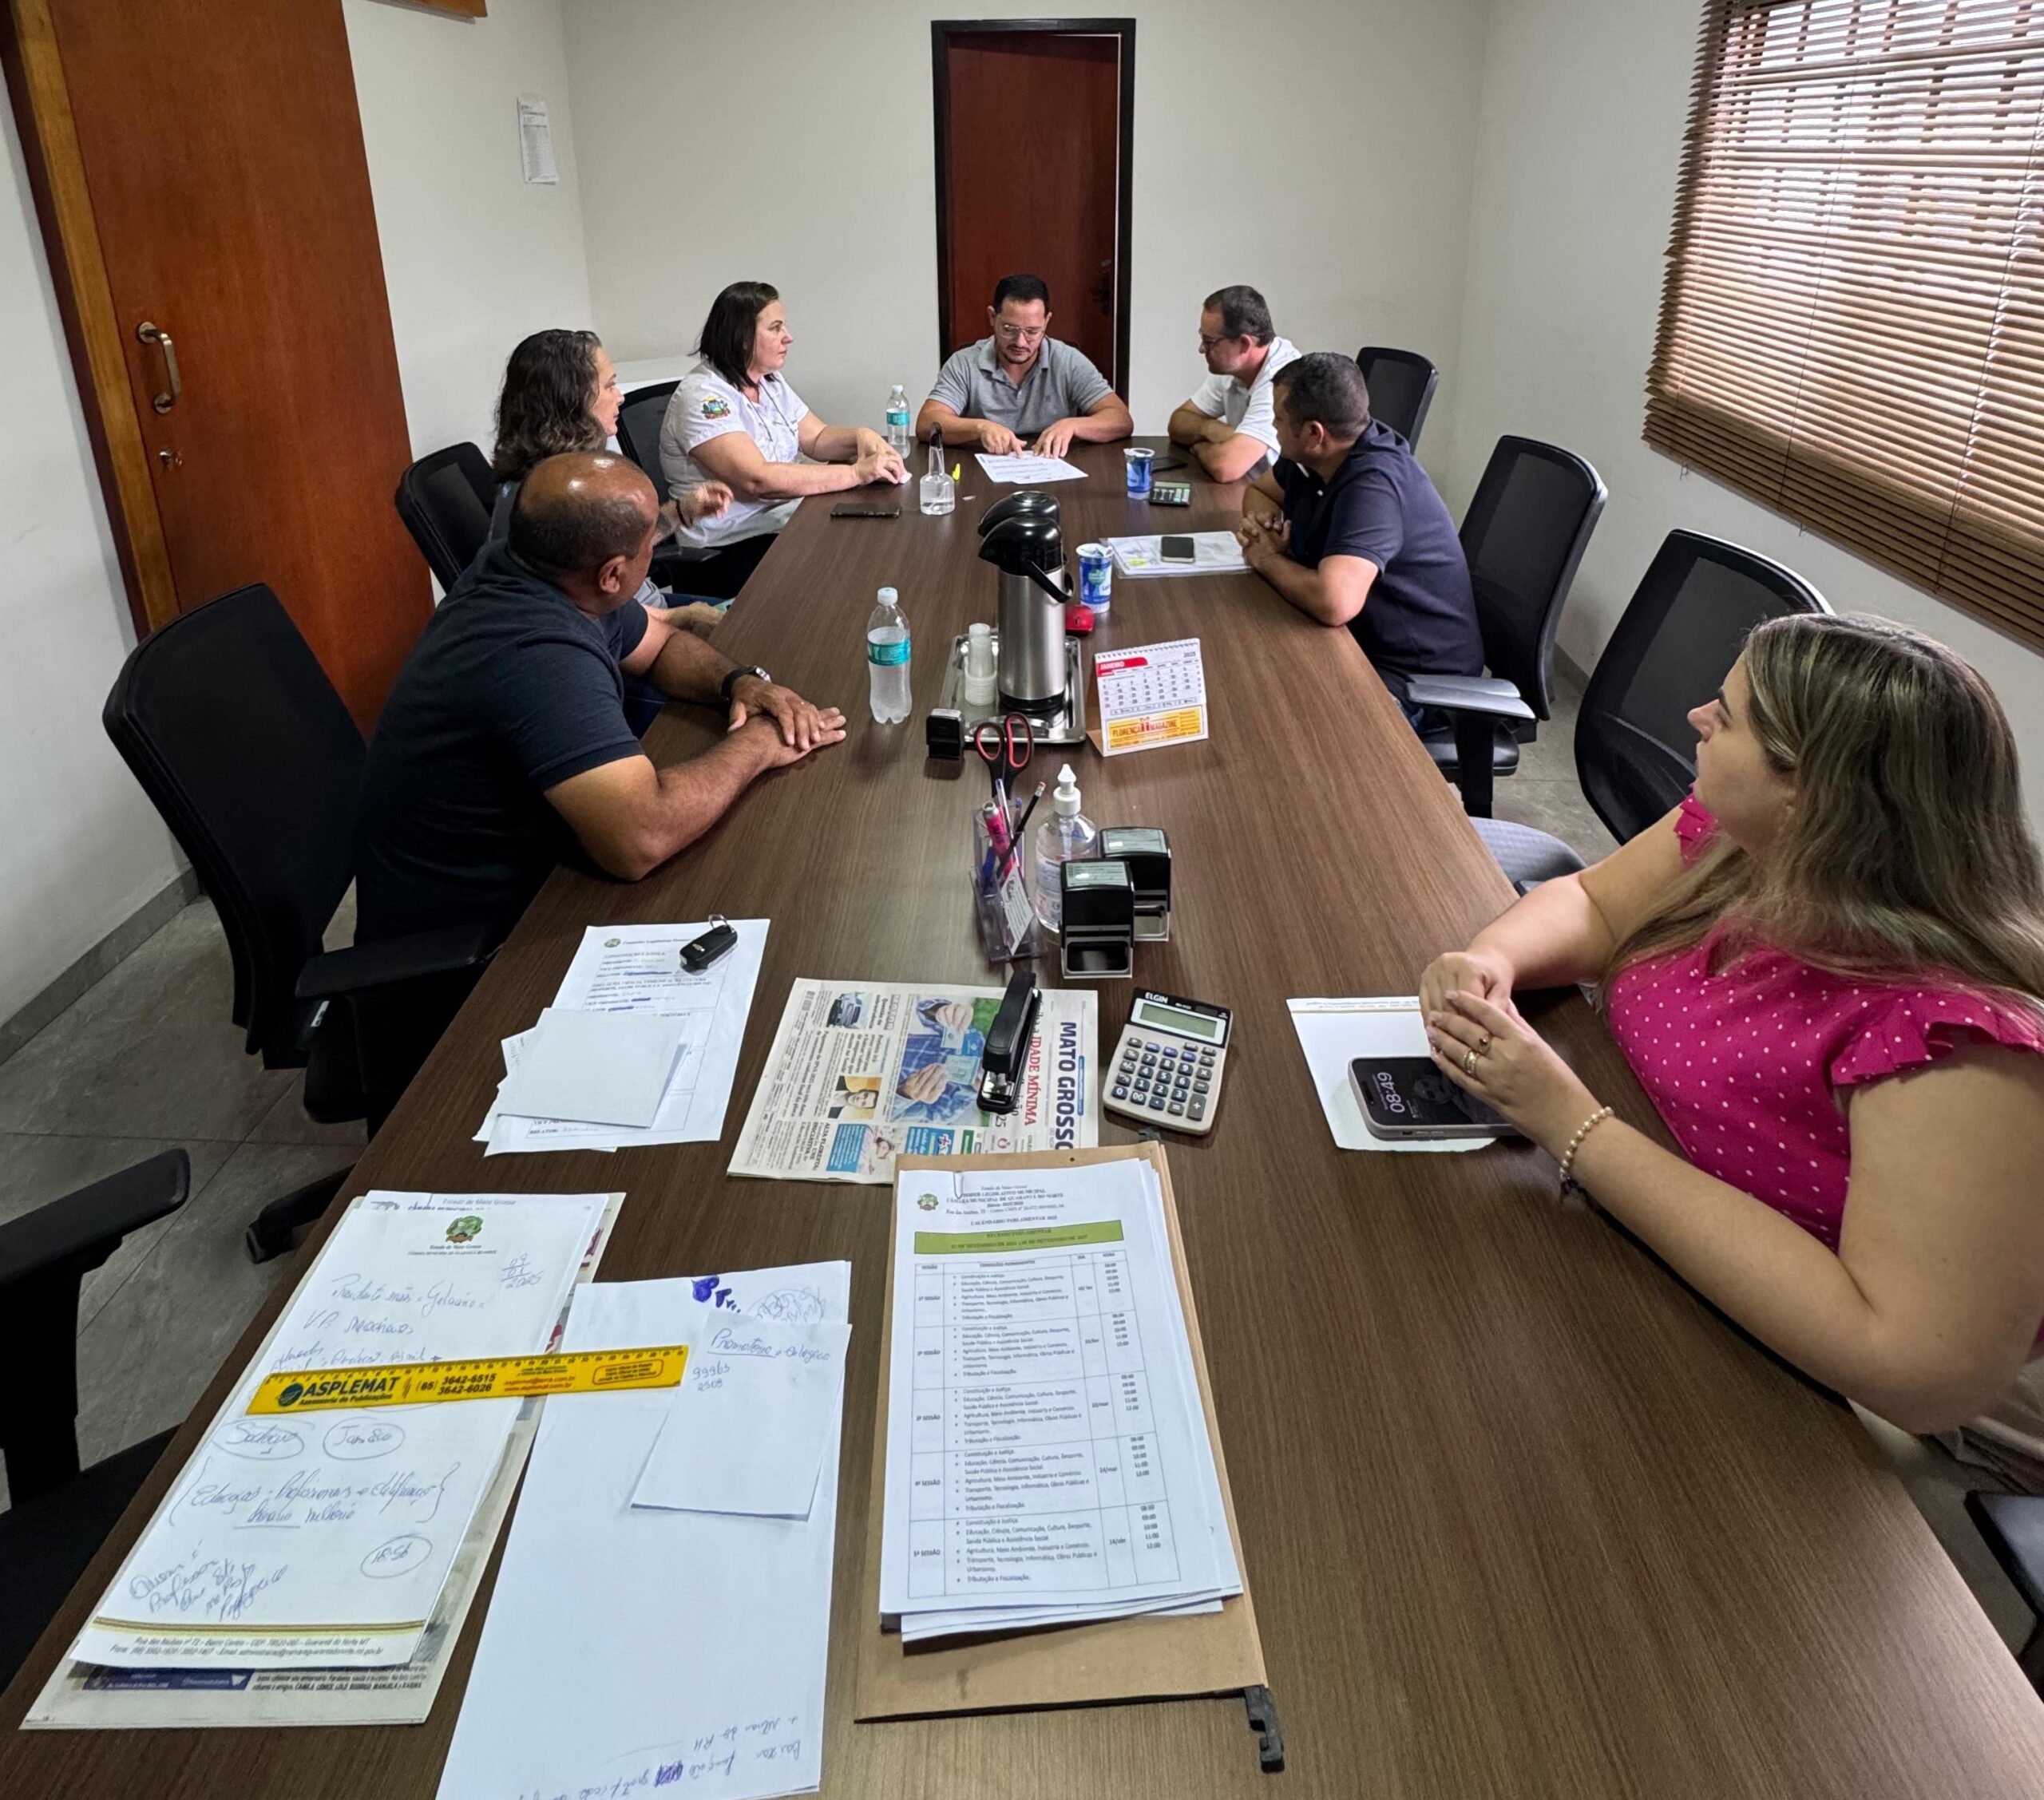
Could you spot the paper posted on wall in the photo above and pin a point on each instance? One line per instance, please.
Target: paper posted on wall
(861, 1072)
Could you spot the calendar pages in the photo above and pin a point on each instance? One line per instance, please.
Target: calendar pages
(1154, 693)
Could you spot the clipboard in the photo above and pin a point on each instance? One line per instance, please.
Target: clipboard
(1210, 1655)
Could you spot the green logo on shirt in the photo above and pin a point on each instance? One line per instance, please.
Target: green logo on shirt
(715, 408)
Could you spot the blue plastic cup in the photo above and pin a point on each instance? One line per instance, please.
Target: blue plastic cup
(1096, 576)
(1139, 472)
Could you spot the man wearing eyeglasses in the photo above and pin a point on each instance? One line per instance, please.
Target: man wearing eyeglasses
(1230, 424)
(1021, 383)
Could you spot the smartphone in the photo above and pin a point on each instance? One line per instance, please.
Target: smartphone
(1408, 1097)
(865, 509)
(1178, 550)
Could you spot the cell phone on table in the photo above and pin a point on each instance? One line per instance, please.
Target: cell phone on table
(865, 509)
(1178, 550)
(1408, 1097)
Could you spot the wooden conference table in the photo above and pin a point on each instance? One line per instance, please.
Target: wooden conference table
(1521, 1515)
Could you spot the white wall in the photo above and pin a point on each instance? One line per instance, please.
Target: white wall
(81, 848)
(1584, 106)
(1321, 150)
(474, 258)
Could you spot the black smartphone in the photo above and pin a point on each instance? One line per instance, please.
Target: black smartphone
(1178, 550)
(1408, 1097)
(865, 509)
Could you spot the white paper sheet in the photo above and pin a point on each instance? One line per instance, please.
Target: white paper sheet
(637, 968)
(746, 1432)
(1047, 1450)
(600, 1068)
(1214, 553)
(630, 1650)
(1029, 469)
(1332, 1033)
(536, 142)
(322, 1540)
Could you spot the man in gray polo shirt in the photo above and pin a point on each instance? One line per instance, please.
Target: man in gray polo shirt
(1022, 383)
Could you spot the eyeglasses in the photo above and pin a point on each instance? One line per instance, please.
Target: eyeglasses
(1207, 343)
(1019, 334)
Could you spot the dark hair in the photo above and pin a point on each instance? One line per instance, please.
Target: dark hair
(725, 340)
(1324, 388)
(1025, 288)
(557, 531)
(1243, 313)
(544, 407)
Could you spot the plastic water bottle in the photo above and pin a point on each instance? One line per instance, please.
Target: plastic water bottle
(898, 433)
(1068, 835)
(887, 648)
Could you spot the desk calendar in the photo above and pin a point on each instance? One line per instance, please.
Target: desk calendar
(1154, 693)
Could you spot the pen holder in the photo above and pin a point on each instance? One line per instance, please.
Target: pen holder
(1004, 898)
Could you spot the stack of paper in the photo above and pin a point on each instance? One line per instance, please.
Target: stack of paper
(322, 1540)
(1214, 553)
(631, 1648)
(635, 1049)
(1048, 1455)
(1026, 466)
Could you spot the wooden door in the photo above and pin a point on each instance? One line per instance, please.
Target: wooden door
(1034, 128)
(199, 172)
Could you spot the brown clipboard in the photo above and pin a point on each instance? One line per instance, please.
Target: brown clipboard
(1139, 1659)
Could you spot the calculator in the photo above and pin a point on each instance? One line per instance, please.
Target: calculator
(1171, 493)
(1166, 1069)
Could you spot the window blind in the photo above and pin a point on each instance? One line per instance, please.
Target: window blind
(1851, 329)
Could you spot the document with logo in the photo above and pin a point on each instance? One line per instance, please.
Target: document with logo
(322, 1539)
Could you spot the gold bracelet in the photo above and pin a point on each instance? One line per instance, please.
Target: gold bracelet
(1575, 1143)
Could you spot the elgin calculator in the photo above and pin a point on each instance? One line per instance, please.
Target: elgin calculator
(1166, 1069)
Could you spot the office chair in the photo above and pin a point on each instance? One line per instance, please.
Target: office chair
(246, 751)
(2013, 1524)
(639, 428)
(1677, 640)
(446, 501)
(1401, 384)
(58, 1517)
(1524, 535)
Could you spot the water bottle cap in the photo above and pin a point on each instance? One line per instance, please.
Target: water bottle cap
(1066, 799)
(889, 597)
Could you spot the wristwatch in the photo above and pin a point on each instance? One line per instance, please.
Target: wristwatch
(732, 680)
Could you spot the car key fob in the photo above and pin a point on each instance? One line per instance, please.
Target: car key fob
(716, 942)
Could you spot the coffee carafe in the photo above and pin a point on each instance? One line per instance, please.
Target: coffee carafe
(1022, 537)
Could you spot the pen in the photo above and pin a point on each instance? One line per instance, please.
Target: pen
(1021, 825)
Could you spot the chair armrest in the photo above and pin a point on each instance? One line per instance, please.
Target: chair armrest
(362, 967)
(89, 1223)
(1467, 694)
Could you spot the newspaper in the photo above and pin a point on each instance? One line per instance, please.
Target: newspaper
(862, 1072)
(84, 1696)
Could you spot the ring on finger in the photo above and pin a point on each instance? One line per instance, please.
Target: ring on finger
(1484, 1049)
(1469, 1063)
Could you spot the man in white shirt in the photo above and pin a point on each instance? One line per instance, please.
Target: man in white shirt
(1229, 425)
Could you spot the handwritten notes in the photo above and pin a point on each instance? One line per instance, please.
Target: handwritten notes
(635, 1650)
(746, 1433)
(324, 1539)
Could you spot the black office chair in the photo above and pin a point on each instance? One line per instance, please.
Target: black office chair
(1524, 535)
(1677, 640)
(58, 1517)
(2013, 1524)
(639, 428)
(1401, 384)
(446, 501)
(243, 747)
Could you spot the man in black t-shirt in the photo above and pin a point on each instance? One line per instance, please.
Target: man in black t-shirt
(1348, 528)
(503, 747)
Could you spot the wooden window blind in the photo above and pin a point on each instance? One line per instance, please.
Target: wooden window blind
(1851, 329)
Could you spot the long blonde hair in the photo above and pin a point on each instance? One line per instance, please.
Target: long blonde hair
(1907, 852)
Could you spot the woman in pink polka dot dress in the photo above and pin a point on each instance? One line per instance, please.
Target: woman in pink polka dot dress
(1824, 967)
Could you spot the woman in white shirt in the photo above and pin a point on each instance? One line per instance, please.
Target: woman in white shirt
(734, 420)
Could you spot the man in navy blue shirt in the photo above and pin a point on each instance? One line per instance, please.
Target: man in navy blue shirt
(1348, 528)
(503, 747)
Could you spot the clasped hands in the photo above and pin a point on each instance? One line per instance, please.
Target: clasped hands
(801, 726)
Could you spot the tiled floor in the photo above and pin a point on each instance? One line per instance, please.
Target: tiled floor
(147, 1059)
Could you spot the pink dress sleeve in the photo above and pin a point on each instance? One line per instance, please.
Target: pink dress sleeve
(1918, 1026)
(1695, 825)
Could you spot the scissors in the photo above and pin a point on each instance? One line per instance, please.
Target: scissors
(1005, 745)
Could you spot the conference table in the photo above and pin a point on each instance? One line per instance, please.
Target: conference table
(1521, 1514)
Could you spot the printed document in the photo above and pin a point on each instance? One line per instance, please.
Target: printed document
(1028, 468)
(631, 1650)
(322, 1540)
(1214, 553)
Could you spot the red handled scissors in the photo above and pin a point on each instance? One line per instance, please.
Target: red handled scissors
(1005, 745)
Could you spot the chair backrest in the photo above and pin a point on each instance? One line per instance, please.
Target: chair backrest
(1401, 384)
(242, 745)
(638, 428)
(1681, 632)
(1524, 536)
(446, 501)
